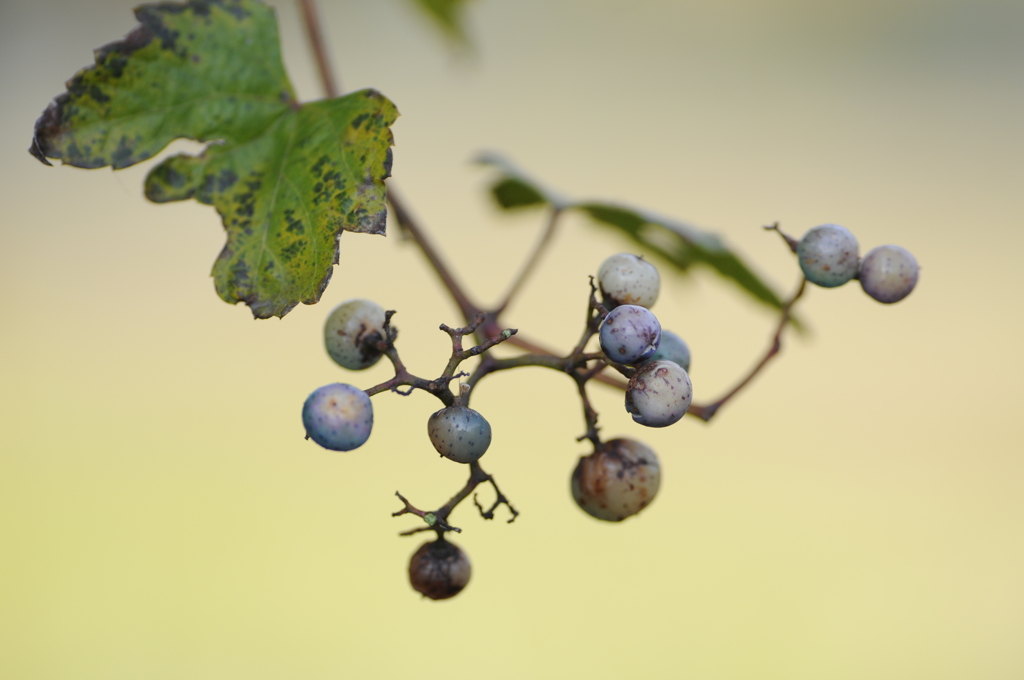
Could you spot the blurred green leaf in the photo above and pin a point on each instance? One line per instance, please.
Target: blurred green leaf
(448, 15)
(676, 243)
(514, 188)
(286, 178)
(512, 193)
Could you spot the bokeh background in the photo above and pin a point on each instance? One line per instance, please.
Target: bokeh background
(857, 513)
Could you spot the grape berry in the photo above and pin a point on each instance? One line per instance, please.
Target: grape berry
(338, 417)
(828, 255)
(627, 279)
(348, 328)
(888, 273)
(630, 334)
(672, 348)
(617, 481)
(659, 394)
(439, 569)
(459, 433)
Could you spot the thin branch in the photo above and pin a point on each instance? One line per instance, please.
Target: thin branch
(790, 241)
(432, 519)
(311, 20)
(405, 220)
(499, 500)
(589, 413)
(708, 411)
(439, 386)
(531, 261)
(438, 519)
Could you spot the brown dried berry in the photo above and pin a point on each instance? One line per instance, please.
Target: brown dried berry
(439, 569)
(617, 481)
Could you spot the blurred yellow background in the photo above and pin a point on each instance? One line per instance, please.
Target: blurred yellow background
(858, 513)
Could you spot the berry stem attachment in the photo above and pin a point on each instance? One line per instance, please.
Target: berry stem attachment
(589, 413)
(790, 241)
(433, 522)
(459, 355)
(438, 386)
(438, 519)
(707, 411)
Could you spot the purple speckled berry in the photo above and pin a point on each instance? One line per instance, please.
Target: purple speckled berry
(659, 394)
(629, 334)
(617, 481)
(828, 255)
(459, 433)
(888, 273)
(338, 417)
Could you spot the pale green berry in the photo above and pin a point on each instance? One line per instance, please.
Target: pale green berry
(629, 279)
(348, 328)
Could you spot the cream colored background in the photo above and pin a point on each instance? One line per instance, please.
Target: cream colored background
(857, 514)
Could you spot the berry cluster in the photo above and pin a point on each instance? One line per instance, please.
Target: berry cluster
(621, 476)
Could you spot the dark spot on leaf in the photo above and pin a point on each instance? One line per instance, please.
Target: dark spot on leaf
(240, 272)
(205, 192)
(318, 167)
(139, 37)
(151, 17)
(293, 224)
(236, 11)
(122, 156)
(226, 179)
(359, 120)
(97, 95)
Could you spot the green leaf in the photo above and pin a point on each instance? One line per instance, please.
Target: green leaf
(678, 244)
(286, 178)
(683, 246)
(515, 189)
(448, 16)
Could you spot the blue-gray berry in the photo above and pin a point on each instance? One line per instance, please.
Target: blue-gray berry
(828, 255)
(672, 348)
(459, 433)
(338, 417)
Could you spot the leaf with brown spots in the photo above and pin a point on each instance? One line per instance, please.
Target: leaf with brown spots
(286, 178)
